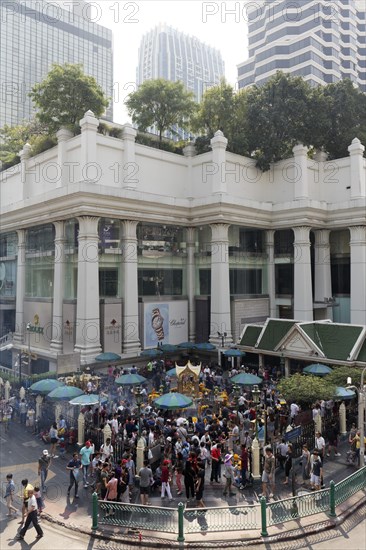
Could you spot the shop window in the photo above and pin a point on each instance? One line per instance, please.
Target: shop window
(162, 282)
(108, 282)
(341, 276)
(284, 279)
(284, 242)
(205, 282)
(245, 281)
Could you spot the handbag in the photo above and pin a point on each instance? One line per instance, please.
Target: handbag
(150, 455)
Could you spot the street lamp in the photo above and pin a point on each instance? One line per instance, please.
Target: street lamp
(221, 335)
(361, 414)
(139, 399)
(29, 353)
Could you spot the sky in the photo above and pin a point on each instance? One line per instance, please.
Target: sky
(209, 21)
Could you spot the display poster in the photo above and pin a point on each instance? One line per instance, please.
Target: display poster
(165, 323)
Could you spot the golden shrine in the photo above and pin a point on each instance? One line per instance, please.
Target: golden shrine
(188, 379)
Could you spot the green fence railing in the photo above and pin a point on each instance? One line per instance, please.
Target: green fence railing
(350, 485)
(227, 518)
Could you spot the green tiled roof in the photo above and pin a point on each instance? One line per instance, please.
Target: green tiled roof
(273, 333)
(250, 336)
(335, 341)
(362, 353)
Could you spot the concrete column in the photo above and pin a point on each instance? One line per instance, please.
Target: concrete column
(303, 295)
(129, 161)
(81, 429)
(107, 433)
(58, 287)
(63, 135)
(22, 393)
(322, 272)
(358, 177)
(271, 272)
(191, 280)
(87, 310)
(39, 401)
(256, 471)
(20, 291)
(358, 274)
(58, 411)
(342, 419)
(24, 156)
(140, 449)
(318, 423)
(220, 284)
(217, 170)
(287, 367)
(130, 330)
(89, 169)
(260, 360)
(301, 190)
(7, 388)
(189, 152)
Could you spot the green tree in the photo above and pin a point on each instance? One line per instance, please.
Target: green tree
(12, 139)
(306, 389)
(163, 104)
(276, 116)
(65, 95)
(339, 375)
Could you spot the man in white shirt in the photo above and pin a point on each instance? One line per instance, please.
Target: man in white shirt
(107, 450)
(320, 444)
(31, 517)
(294, 411)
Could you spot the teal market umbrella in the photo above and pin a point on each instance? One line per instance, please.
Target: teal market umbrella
(171, 372)
(172, 401)
(88, 399)
(65, 393)
(151, 353)
(186, 345)
(344, 393)
(168, 348)
(246, 379)
(234, 353)
(108, 356)
(205, 346)
(45, 386)
(130, 380)
(317, 369)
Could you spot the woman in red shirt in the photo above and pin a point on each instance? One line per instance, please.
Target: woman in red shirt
(165, 480)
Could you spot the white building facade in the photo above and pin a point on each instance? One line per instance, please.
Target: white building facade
(109, 245)
(324, 42)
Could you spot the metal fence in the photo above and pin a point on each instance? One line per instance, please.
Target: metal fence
(232, 518)
(349, 486)
(134, 516)
(298, 507)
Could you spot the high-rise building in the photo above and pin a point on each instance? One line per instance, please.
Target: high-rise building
(170, 54)
(322, 41)
(36, 34)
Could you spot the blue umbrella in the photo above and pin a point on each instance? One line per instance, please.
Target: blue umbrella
(186, 345)
(205, 346)
(108, 356)
(151, 353)
(317, 369)
(88, 399)
(168, 348)
(130, 379)
(172, 372)
(172, 401)
(45, 386)
(65, 393)
(246, 379)
(234, 353)
(344, 393)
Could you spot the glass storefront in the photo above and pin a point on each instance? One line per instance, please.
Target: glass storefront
(39, 264)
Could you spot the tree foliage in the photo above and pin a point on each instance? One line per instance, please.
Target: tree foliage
(166, 105)
(13, 138)
(64, 96)
(306, 389)
(339, 375)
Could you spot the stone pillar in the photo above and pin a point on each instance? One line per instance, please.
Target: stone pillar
(318, 423)
(303, 296)
(107, 433)
(89, 170)
(87, 311)
(140, 450)
(22, 393)
(130, 313)
(260, 360)
(287, 367)
(271, 272)
(24, 156)
(7, 388)
(191, 280)
(58, 411)
(220, 284)
(129, 160)
(322, 272)
(358, 274)
(39, 401)
(358, 178)
(256, 471)
(342, 419)
(301, 190)
(218, 168)
(189, 152)
(20, 291)
(81, 429)
(63, 135)
(58, 287)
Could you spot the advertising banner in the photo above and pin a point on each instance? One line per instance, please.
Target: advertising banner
(165, 323)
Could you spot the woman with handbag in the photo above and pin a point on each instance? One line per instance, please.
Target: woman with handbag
(305, 464)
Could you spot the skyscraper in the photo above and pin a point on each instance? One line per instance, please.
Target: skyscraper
(322, 41)
(35, 34)
(170, 54)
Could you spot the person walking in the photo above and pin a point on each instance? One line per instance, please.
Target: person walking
(333, 440)
(165, 480)
(74, 467)
(320, 447)
(200, 485)
(43, 466)
(85, 454)
(53, 434)
(189, 477)
(26, 488)
(215, 462)
(9, 495)
(111, 495)
(32, 517)
(229, 474)
(305, 464)
(146, 480)
(268, 475)
(243, 466)
(288, 464)
(282, 452)
(179, 467)
(316, 471)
